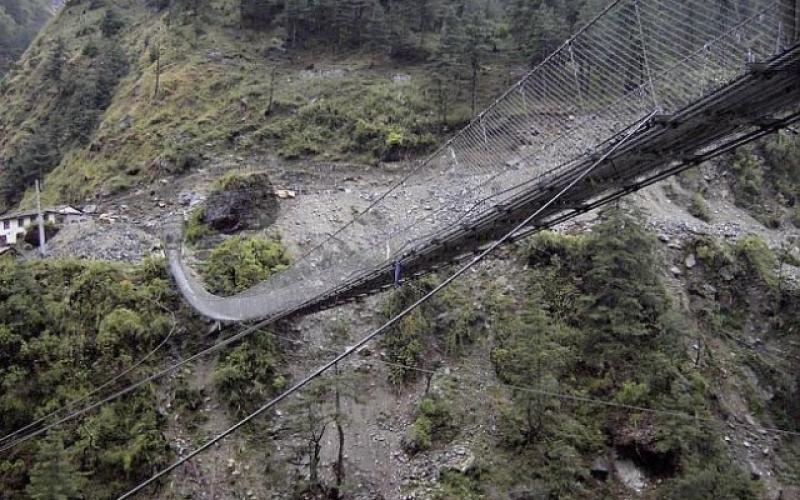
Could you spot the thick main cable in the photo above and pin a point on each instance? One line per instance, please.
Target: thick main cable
(132, 387)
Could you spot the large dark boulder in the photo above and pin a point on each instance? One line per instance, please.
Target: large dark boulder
(240, 203)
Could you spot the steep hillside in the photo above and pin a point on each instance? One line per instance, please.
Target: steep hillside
(114, 93)
(20, 21)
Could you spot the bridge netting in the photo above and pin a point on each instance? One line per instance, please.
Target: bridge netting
(635, 58)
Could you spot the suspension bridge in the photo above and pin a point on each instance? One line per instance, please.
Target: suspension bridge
(645, 90)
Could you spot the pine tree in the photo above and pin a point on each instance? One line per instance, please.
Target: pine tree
(55, 61)
(378, 31)
(259, 14)
(475, 48)
(111, 23)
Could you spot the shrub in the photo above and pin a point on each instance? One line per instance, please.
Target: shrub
(711, 481)
(230, 180)
(699, 208)
(456, 486)
(66, 325)
(405, 342)
(112, 23)
(90, 50)
(249, 373)
(196, 229)
(434, 422)
(122, 327)
(749, 178)
(241, 262)
(756, 258)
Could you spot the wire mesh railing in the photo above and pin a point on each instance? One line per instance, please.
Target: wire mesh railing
(636, 57)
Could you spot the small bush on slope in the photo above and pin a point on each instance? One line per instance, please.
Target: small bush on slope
(445, 325)
(249, 373)
(433, 422)
(241, 262)
(766, 179)
(698, 207)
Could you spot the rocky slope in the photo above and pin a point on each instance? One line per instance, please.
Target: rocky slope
(748, 363)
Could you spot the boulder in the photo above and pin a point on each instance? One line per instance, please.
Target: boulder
(794, 253)
(285, 194)
(462, 464)
(246, 202)
(185, 199)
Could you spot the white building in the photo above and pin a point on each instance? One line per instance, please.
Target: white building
(15, 225)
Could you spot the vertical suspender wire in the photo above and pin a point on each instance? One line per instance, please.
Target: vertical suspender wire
(653, 91)
(577, 79)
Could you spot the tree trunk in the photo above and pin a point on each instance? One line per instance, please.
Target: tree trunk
(158, 70)
(313, 464)
(339, 467)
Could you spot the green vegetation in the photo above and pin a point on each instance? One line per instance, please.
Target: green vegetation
(241, 262)
(433, 424)
(593, 321)
(20, 20)
(383, 124)
(229, 181)
(248, 374)
(117, 93)
(196, 229)
(733, 267)
(69, 93)
(766, 180)
(405, 342)
(456, 486)
(596, 322)
(749, 294)
(444, 325)
(698, 207)
(65, 327)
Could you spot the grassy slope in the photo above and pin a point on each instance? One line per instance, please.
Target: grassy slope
(20, 21)
(215, 87)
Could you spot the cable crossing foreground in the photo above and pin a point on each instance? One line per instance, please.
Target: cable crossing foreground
(382, 329)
